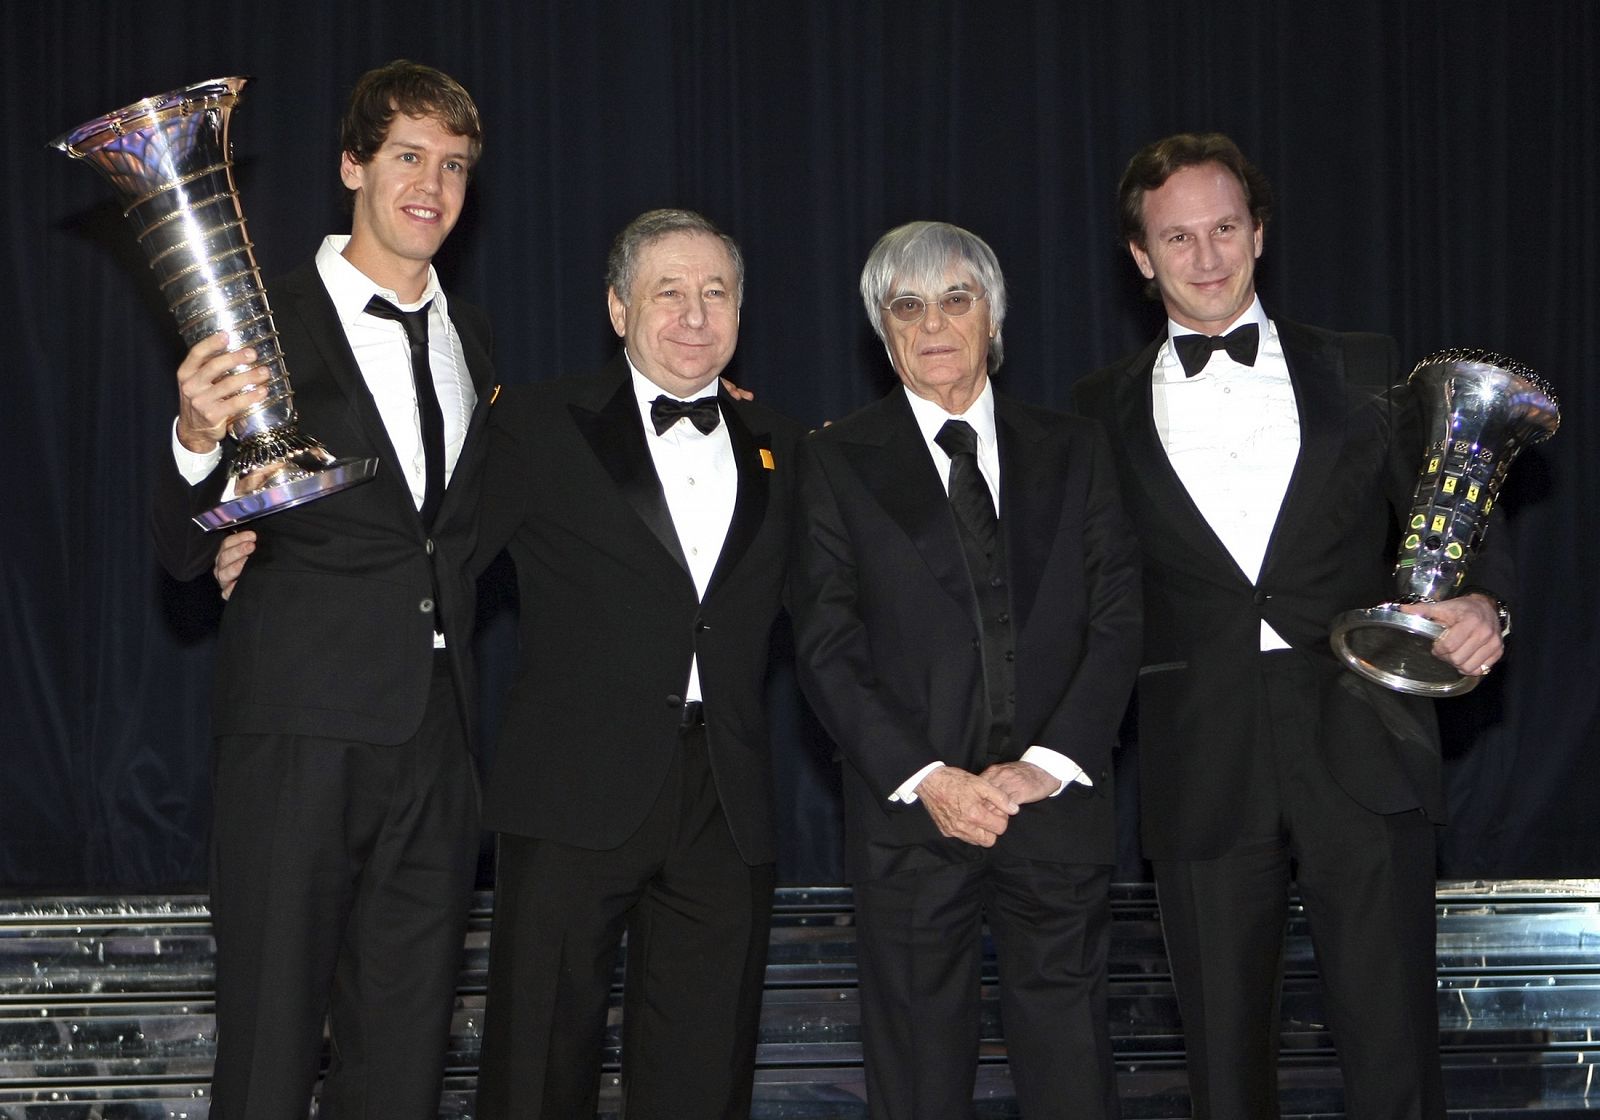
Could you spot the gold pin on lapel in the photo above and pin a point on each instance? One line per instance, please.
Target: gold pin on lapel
(494, 395)
(766, 459)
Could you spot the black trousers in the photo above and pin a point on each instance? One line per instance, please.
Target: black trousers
(696, 917)
(919, 943)
(1367, 883)
(341, 874)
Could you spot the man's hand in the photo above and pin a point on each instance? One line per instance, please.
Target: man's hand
(231, 555)
(1471, 641)
(737, 393)
(1022, 782)
(964, 806)
(211, 392)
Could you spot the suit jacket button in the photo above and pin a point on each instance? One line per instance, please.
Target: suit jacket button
(427, 546)
(674, 701)
(1260, 598)
(426, 606)
(702, 626)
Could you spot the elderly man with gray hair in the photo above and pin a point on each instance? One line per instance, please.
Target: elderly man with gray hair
(966, 592)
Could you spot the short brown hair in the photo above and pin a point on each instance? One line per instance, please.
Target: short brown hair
(1153, 165)
(415, 90)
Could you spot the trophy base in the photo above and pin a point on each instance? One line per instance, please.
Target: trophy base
(1395, 649)
(292, 488)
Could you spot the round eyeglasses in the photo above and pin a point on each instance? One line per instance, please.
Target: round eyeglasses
(910, 309)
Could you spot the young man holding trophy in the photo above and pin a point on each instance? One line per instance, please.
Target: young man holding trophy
(1267, 467)
(345, 837)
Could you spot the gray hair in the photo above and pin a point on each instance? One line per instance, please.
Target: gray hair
(652, 226)
(917, 259)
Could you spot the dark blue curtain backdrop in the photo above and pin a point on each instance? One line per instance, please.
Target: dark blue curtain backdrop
(1436, 174)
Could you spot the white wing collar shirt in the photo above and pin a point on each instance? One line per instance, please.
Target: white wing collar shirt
(930, 418)
(1232, 433)
(700, 481)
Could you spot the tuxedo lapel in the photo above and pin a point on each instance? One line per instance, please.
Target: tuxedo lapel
(616, 436)
(750, 506)
(892, 460)
(1031, 484)
(1162, 489)
(480, 370)
(1316, 369)
(306, 297)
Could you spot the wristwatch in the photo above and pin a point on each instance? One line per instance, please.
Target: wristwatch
(1503, 613)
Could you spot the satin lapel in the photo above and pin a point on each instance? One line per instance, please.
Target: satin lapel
(1316, 368)
(480, 369)
(308, 299)
(895, 466)
(1160, 484)
(616, 436)
(750, 506)
(1032, 479)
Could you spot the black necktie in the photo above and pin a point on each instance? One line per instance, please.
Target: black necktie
(1195, 350)
(665, 411)
(429, 414)
(969, 493)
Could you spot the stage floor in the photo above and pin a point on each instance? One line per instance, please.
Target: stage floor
(105, 1010)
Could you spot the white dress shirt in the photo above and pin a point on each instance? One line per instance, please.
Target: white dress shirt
(701, 483)
(930, 418)
(1232, 433)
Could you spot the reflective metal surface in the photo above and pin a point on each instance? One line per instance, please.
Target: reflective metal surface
(105, 1010)
(1481, 409)
(170, 161)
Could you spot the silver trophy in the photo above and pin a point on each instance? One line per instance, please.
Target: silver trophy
(1481, 409)
(170, 161)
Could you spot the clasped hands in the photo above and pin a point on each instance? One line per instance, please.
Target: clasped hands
(976, 808)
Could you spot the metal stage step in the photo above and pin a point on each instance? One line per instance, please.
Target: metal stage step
(105, 1010)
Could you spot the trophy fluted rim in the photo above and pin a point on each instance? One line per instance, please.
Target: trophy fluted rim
(1465, 355)
(76, 141)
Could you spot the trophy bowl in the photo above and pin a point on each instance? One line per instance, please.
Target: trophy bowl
(1480, 410)
(170, 161)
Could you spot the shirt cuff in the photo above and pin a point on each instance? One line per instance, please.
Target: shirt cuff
(194, 466)
(1058, 766)
(907, 793)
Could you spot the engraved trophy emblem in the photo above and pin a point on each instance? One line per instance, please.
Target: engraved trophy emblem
(170, 161)
(1480, 410)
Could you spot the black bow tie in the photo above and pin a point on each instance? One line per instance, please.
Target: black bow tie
(1195, 350)
(702, 413)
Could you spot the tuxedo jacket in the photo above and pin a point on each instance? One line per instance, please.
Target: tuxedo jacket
(610, 619)
(1332, 549)
(888, 633)
(329, 631)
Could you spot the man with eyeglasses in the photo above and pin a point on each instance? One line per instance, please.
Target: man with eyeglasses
(966, 594)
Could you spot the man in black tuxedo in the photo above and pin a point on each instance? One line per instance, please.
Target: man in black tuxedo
(966, 595)
(345, 831)
(647, 512)
(1267, 467)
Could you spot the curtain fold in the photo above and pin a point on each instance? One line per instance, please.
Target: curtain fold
(1435, 170)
